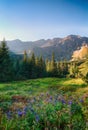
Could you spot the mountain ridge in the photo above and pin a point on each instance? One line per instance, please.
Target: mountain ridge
(62, 47)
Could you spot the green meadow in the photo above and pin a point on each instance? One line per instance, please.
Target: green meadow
(34, 87)
(44, 104)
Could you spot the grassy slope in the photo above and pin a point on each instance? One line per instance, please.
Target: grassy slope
(34, 87)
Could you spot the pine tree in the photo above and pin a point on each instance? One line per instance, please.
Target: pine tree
(32, 66)
(37, 67)
(48, 65)
(66, 71)
(53, 67)
(24, 74)
(25, 58)
(16, 66)
(59, 69)
(6, 66)
(64, 68)
(42, 67)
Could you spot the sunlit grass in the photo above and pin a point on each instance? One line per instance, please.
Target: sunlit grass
(36, 86)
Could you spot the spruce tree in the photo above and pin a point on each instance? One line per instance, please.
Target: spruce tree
(59, 69)
(37, 67)
(42, 67)
(64, 68)
(24, 74)
(32, 66)
(53, 66)
(16, 66)
(48, 65)
(6, 66)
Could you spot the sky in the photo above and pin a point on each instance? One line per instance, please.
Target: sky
(30, 20)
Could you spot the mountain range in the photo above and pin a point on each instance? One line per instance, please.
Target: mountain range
(62, 47)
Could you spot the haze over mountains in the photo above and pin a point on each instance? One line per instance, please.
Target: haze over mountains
(62, 47)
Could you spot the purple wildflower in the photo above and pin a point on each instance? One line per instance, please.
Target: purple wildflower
(37, 118)
(9, 115)
(20, 113)
(70, 102)
(81, 100)
(51, 98)
(47, 94)
(63, 101)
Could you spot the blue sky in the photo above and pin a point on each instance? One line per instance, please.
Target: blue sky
(42, 19)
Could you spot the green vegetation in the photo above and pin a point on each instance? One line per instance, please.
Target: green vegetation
(43, 104)
(36, 86)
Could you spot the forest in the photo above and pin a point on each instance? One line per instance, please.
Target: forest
(34, 67)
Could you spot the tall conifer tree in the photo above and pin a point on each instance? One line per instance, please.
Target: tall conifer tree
(6, 66)
(53, 66)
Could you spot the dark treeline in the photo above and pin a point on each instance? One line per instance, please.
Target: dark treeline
(32, 67)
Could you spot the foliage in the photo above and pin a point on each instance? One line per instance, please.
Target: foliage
(43, 104)
(43, 112)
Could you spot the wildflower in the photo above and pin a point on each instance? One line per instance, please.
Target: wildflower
(81, 100)
(70, 102)
(20, 113)
(37, 118)
(51, 98)
(9, 115)
(47, 94)
(63, 101)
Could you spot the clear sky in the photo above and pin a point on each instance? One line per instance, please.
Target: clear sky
(38, 19)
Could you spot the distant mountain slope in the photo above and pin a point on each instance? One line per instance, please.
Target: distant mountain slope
(62, 47)
(18, 46)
